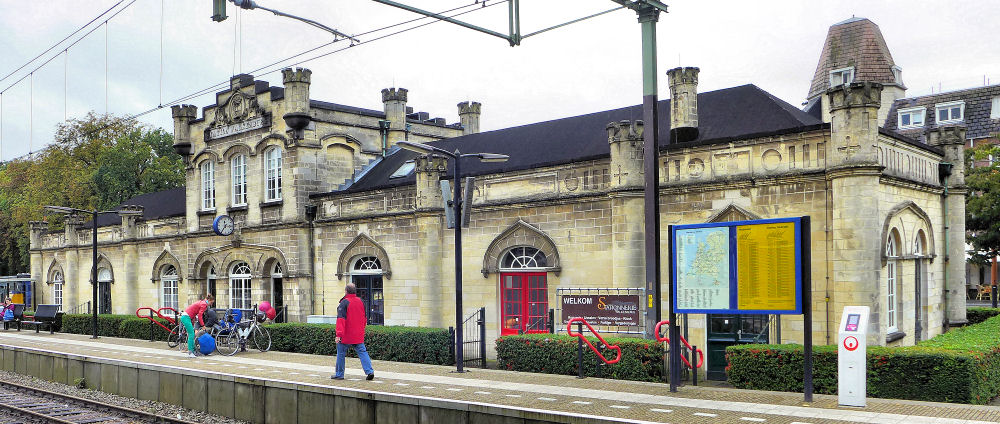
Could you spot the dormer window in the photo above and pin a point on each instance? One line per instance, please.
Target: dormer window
(897, 74)
(911, 118)
(995, 108)
(405, 169)
(841, 76)
(950, 112)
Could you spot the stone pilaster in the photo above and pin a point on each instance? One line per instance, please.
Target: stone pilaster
(73, 279)
(683, 104)
(430, 233)
(951, 139)
(183, 115)
(627, 255)
(36, 232)
(854, 123)
(394, 102)
(468, 114)
(128, 287)
(72, 230)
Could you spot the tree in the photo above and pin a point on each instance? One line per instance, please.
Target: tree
(982, 203)
(96, 162)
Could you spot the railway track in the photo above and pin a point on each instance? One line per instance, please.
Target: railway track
(25, 404)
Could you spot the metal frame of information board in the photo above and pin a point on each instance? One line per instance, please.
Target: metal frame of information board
(733, 271)
(803, 298)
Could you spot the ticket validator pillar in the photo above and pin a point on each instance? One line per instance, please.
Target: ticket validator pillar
(852, 357)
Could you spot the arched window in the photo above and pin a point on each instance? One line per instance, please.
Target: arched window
(57, 289)
(168, 287)
(272, 174)
(239, 173)
(104, 275)
(920, 244)
(892, 254)
(523, 258)
(207, 185)
(366, 274)
(239, 286)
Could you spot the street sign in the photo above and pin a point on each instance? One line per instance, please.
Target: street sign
(744, 267)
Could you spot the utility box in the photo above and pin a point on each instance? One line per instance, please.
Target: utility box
(852, 357)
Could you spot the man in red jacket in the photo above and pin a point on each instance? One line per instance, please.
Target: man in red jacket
(351, 332)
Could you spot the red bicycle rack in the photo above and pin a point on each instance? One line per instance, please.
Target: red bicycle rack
(616, 348)
(158, 315)
(701, 355)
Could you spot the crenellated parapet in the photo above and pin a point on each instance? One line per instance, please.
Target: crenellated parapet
(468, 114)
(625, 138)
(429, 169)
(183, 115)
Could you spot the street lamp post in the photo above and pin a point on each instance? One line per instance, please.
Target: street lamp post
(457, 213)
(93, 268)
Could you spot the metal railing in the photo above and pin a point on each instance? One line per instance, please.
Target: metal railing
(83, 308)
(474, 339)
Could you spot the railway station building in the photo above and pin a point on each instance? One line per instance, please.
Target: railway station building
(321, 195)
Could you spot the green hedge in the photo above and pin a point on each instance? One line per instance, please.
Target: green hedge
(642, 360)
(960, 366)
(388, 343)
(978, 315)
(124, 326)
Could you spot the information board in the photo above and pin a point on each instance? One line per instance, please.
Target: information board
(603, 309)
(750, 267)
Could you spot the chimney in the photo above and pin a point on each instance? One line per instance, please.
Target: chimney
(394, 102)
(683, 104)
(73, 223)
(183, 115)
(37, 229)
(468, 113)
(951, 139)
(296, 100)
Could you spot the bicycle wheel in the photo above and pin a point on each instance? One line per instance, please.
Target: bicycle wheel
(227, 344)
(261, 338)
(173, 339)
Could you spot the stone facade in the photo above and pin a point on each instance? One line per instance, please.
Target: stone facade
(861, 188)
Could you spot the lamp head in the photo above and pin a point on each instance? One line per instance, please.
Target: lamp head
(59, 209)
(493, 157)
(416, 147)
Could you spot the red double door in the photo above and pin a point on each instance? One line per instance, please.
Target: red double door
(524, 303)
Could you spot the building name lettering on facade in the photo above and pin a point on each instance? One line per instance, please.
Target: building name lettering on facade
(228, 130)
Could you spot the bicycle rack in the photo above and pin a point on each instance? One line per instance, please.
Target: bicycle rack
(580, 322)
(701, 355)
(159, 315)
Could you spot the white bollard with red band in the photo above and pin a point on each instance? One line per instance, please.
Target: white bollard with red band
(852, 359)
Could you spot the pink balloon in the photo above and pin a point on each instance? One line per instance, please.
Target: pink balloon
(271, 313)
(264, 306)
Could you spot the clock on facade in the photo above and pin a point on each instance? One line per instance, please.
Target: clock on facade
(223, 225)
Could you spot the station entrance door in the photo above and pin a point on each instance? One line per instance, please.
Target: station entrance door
(726, 330)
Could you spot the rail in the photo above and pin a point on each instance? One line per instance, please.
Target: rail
(701, 355)
(159, 315)
(51, 407)
(579, 334)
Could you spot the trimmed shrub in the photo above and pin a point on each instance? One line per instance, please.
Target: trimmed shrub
(107, 324)
(642, 360)
(961, 366)
(139, 328)
(978, 315)
(387, 343)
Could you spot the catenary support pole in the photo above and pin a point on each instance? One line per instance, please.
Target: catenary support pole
(93, 277)
(457, 208)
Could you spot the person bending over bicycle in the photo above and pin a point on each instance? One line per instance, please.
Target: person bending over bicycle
(195, 313)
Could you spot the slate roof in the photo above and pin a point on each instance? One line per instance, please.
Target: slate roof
(724, 115)
(160, 204)
(978, 107)
(858, 43)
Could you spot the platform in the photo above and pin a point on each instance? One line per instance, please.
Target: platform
(283, 387)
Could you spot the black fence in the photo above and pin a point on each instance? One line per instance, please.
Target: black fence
(474, 339)
(83, 308)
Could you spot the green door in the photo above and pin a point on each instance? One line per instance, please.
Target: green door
(729, 330)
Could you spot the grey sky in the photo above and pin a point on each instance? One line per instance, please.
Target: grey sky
(589, 66)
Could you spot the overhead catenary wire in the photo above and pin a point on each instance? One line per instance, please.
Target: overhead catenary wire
(107, 68)
(64, 39)
(225, 84)
(161, 52)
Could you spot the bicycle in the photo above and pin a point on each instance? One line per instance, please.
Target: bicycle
(238, 335)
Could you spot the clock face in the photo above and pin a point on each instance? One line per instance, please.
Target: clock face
(224, 225)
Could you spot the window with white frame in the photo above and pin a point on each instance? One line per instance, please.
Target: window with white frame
(57, 289)
(995, 108)
(892, 256)
(523, 258)
(239, 173)
(897, 74)
(950, 112)
(841, 76)
(207, 185)
(272, 166)
(911, 118)
(239, 286)
(168, 287)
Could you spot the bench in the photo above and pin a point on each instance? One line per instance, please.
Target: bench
(18, 310)
(44, 315)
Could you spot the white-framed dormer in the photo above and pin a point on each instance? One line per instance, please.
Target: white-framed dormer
(910, 118)
(995, 108)
(951, 112)
(897, 74)
(841, 76)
